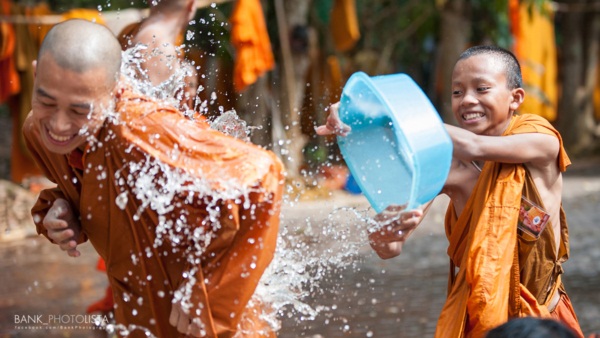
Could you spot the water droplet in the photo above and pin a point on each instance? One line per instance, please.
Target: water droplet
(121, 200)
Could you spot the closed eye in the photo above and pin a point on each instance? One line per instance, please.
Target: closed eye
(79, 112)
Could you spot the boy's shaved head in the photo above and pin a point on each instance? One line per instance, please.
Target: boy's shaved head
(508, 59)
(80, 45)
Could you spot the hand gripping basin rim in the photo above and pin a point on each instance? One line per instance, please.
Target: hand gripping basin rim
(398, 150)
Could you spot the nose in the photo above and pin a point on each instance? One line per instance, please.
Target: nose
(469, 98)
(61, 122)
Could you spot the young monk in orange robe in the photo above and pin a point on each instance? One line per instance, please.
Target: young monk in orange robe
(497, 272)
(186, 265)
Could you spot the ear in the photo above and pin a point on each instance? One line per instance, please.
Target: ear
(34, 65)
(518, 95)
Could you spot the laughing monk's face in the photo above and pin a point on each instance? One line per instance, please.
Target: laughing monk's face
(75, 80)
(68, 106)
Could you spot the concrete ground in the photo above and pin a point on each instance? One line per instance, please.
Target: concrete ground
(368, 297)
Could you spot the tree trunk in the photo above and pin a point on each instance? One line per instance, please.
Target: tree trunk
(579, 61)
(455, 28)
(294, 67)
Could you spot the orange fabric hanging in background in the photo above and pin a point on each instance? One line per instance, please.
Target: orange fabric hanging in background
(344, 25)
(535, 47)
(251, 40)
(38, 31)
(92, 15)
(597, 93)
(28, 40)
(9, 78)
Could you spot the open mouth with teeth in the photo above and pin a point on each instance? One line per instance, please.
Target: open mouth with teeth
(472, 116)
(59, 139)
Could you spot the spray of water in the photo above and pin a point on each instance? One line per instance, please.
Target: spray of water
(306, 252)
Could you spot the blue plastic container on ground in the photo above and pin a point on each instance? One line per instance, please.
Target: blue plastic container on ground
(398, 150)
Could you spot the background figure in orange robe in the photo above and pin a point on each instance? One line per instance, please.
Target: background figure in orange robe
(186, 218)
(496, 271)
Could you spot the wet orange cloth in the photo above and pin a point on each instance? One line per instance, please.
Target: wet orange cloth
(344, 25)
(565, 313)
(251, 40)
(483, 244)
(535, 47)
(143, 275)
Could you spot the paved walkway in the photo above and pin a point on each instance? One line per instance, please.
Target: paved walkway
(401, 297)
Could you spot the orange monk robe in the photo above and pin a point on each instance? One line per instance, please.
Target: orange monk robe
(86, 14)
(251, 40)
(344, 25)
(483, 241)
(535, 47)
(145, 276)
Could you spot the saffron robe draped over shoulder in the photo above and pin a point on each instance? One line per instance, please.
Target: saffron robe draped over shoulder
(485, 246)
(145, 266)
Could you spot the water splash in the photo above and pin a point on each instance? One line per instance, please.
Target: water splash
(171, 89)
(306, 253)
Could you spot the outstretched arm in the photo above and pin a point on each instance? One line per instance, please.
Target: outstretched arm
(535, 148)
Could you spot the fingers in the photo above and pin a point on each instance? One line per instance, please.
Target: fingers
(334, 125)
(61, 235)
(396, 215)
(54, 219)
(183, 323)
(387, 250)
(195, 328)
(74, 253)
(174, 316)
(323, 131)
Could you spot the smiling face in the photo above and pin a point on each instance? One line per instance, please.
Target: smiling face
(67, 106)
(482, 101)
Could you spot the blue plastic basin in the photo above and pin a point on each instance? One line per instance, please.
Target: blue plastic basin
(398, 150)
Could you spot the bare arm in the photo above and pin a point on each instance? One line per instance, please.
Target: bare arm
(535, 148)
(162, 60)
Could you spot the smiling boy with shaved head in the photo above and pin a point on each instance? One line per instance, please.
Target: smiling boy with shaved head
(497, 270)
(187, 267)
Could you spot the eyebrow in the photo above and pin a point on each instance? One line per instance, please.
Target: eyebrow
(86, 106)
